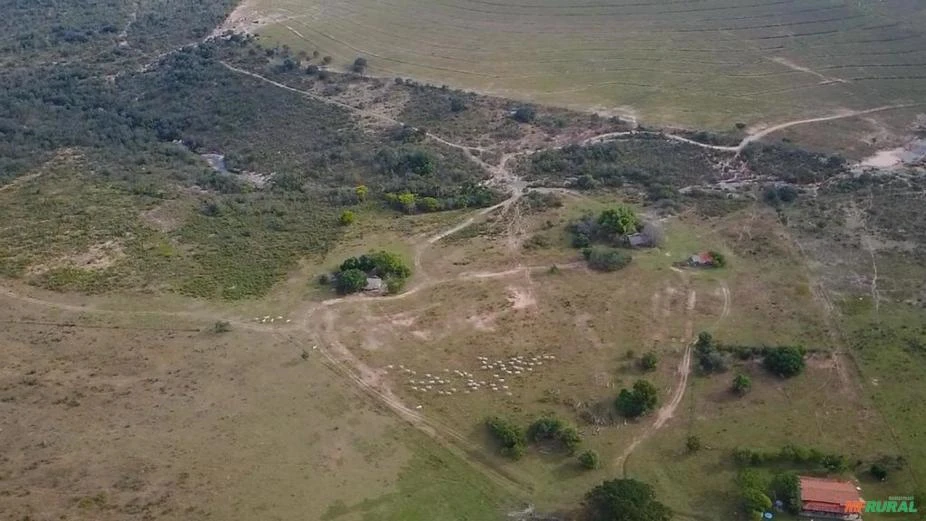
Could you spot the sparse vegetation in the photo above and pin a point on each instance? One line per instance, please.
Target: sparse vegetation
(221, 326)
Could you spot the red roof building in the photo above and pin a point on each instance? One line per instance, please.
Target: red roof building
(830, 499)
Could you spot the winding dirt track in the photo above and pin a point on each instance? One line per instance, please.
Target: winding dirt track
(344, 362)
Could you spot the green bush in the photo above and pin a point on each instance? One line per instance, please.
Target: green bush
(649, 361)
(785, 361)
(603, 258)
(590, 459)
(640, 400)
(351, 281)
(346, 218)
(741, 384)
(693, 444)
(508, 435)
(221, 327)
(625, 500)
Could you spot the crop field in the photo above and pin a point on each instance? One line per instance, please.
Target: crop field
(708, 63)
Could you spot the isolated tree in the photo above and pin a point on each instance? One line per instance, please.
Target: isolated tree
(618, 221)
(311, 70)
(351, 281)
(524, 114)
(590, 459)
(741, 384)
(359, 65)
(327, 60)
(639, 400)
(785, 361)
(625, 500)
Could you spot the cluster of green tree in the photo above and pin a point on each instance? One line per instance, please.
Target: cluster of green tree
(609, 227)
(468, 195)
(808, 457)
(546, 430)
(782, 361)
(792, 164)
(352, 275)
(656, 165)
(757, 493)
(640, 400)
(625, 500)
(552, 429)
(510, 436)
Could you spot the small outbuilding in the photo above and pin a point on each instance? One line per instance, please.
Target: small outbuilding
(638, 240)
(830, 499)
(702, 259)
(374, 284)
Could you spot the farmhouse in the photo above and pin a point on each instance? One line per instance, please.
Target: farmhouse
(830, 499)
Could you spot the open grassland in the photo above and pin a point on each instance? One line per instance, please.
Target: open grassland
(710, 63)
(118, 417)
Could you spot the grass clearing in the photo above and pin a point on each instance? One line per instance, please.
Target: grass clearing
(709, 65)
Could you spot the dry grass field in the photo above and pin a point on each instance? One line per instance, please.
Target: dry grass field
(710, 63)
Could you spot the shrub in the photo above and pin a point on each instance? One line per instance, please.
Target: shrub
(719, 259)
(710, 359)
(640, 400)
(786, 487)
(550, 428)
(590, 459)
(878, 472)
(649, 361)
(361, 191)
(602, 258)
(693, 444)
(741, 384)
(351, 281)
(785, 361)
(359, 65)
(509, 436)
(347, 218)
(221, 327)
(524, 114)
(618, 221)
(327, 60)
